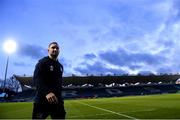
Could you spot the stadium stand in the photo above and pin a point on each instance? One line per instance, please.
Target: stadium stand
(105, 86)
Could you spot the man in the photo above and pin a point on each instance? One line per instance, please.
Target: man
(48, 81)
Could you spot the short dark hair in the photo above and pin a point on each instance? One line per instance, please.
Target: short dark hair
(53, 43)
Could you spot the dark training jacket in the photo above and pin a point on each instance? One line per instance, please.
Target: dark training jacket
(48, 78)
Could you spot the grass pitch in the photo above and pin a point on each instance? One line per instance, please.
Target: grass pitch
(166, 106)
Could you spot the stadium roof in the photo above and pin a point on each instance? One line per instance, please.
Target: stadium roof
(95, 80)
(23, 80)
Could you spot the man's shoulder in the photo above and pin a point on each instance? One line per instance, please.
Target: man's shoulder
(43, 60)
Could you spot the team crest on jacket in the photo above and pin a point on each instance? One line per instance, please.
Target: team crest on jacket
(51, 68)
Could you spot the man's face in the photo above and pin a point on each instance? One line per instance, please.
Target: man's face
(53, 50)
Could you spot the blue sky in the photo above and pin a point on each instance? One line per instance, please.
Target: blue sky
(95, 36)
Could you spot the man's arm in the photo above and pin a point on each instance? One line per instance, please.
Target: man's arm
(40, 84)
(38, 80)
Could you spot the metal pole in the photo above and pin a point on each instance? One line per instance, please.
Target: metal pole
(6, 74)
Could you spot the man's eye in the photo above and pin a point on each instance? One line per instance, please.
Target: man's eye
(55, 47)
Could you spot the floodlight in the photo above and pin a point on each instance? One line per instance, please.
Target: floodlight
(9, 46)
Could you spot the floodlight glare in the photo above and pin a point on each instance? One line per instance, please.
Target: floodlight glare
(9, 46)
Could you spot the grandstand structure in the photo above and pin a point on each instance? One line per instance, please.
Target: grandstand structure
(107, 80)
(105, 86)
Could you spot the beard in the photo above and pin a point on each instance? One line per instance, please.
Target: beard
(54, 55)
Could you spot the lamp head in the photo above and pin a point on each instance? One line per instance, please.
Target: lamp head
(9, 46)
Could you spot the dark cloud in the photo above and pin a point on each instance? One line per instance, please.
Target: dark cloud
(168, 44)
(176, 5)
(90, 56)
(145, 72)
(65, 62)
(98, 68)
(32, 51)
(21, 64)
(134, 67)
(121, 57)
(171, 68)
(164, 70)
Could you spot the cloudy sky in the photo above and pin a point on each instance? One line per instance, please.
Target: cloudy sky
(95, 36)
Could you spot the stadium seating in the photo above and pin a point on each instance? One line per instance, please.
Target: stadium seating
(94, 92)
(105, 86)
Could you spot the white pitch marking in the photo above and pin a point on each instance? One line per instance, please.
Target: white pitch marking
(108, 110)
(89, 115)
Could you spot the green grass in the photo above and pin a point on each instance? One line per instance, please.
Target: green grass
(165, 106)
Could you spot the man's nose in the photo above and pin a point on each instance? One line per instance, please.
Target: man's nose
(55, 49)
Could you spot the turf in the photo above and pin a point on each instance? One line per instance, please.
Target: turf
(166, 106)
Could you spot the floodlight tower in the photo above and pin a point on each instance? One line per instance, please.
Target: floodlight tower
(9, 47)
